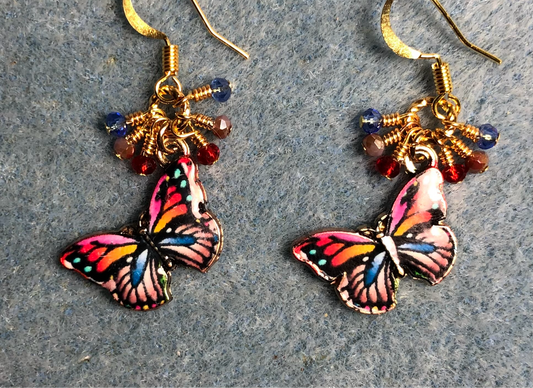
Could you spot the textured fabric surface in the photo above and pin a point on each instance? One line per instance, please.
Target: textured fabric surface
(293, 164)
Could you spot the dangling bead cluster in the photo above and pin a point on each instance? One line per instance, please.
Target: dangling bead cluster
(456, 157)
(152, 137)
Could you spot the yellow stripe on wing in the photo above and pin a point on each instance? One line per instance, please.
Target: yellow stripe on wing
(351, 252)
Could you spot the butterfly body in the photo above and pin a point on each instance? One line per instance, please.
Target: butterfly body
(365, 266)
(135, 263)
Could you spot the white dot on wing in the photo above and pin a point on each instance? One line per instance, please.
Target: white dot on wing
(435, 194)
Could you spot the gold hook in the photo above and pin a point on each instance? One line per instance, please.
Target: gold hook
(405, 51)
(144, 29)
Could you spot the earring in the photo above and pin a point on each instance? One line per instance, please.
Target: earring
(135, 263)
(365, 266)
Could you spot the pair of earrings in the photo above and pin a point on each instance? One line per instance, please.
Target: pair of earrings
(364, 266)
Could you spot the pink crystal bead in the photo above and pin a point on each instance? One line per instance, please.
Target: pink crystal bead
(477, 162)
(123, 149)
(222, 127)
(374, 145)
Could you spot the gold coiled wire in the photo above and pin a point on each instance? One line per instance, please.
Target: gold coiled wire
(200, 94)
(392, 120)
(470, 132)
(171, 59)
(394, 136)
(446, 156)
(151, 139)
(442, 78)
(203, 121)
(199, 140)
(136, 135)
(460, 148)
(136, 118)
(401, 151)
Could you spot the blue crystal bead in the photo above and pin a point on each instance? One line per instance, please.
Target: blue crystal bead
(370, 121)
(115, 124)
(488, 136)
(221, 89)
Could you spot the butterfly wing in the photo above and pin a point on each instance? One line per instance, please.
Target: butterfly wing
(360, 268)
(426, 248)
(179, 224)
(125, 266)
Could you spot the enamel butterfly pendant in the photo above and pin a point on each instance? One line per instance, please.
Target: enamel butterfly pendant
(135, 264)
(365, 266)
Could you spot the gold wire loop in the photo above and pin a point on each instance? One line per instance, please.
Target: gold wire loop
(421, 153)
(403, 50)
(163, 91)
(144, 29)
(451, 107)
(418, 105)
(170, 143)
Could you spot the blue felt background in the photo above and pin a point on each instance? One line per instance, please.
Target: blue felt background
(293, 164)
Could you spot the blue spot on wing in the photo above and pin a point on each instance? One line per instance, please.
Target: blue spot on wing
(179, 240)
(418, 247)
(138, 269)
(371, 272)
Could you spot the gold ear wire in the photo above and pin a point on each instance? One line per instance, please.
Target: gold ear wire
(144, 29)
(403, 50)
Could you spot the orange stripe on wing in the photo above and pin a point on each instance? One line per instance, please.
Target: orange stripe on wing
(412, 221)
(351, 252)
(114, 255)
(169, 215)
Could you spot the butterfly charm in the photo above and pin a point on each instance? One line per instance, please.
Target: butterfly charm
(365, 266)
(135, 263)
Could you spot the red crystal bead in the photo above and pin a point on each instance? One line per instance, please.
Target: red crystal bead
(388, 166)
(143, 165)
(455, 173)
(208, 154)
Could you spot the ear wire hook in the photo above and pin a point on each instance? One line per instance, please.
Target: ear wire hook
(403, 50)
(144, 29)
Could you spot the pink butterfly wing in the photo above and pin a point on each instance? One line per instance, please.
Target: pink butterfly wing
(426, 247)
(428, 255)
(361, 269)
(178, 221)
(124, 266)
